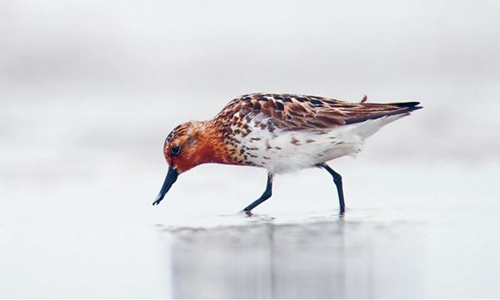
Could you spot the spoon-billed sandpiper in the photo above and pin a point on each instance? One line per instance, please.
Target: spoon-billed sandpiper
(279, 132)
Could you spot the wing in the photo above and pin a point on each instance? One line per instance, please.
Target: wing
(300, 112)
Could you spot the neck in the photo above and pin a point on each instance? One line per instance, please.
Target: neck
(212, 147)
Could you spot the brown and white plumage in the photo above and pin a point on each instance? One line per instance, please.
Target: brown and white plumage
(300, 112)
(279, 132)
(283, 132)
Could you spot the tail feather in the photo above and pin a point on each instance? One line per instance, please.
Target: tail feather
(405, 109)
(412, 105)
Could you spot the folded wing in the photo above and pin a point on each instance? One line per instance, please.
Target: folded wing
(300, 112)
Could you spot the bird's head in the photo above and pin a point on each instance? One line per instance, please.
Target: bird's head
(182, 146)
(188, 145)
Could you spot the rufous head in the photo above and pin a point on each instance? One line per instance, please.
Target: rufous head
(185, 148)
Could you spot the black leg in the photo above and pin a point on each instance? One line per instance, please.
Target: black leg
(338, 182)
(266, 195)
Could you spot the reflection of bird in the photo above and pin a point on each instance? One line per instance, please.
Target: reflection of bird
(279, 132)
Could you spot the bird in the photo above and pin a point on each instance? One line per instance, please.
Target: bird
(279, 132)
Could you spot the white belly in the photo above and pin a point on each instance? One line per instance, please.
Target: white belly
(286, 151)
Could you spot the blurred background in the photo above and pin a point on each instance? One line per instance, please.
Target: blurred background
(90, 89)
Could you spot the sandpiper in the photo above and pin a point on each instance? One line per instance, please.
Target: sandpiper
(278, 132)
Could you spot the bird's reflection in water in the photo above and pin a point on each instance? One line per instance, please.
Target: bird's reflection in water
(320, 259)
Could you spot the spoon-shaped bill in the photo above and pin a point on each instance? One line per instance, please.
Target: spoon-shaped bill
(169, 181)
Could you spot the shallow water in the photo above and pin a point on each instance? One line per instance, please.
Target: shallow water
(437, 240)
(367, 253)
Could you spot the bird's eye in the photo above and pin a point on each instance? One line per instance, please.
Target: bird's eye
(175, 150)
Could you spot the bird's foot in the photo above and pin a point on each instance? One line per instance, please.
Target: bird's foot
(342, 213)
(247, 213)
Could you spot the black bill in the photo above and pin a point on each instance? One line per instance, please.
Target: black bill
(169, 181)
